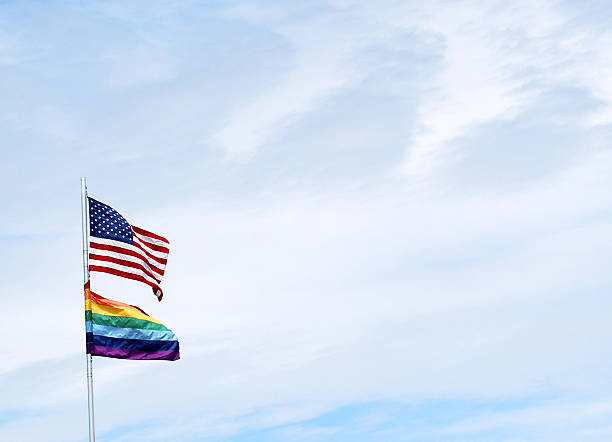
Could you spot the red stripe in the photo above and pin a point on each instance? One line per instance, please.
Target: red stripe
(149, 255)
(124, 263)
(96, 268)
(151, 234)
(153, 246)
(123, 251)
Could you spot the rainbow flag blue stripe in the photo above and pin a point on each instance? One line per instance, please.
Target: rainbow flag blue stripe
(117, 330)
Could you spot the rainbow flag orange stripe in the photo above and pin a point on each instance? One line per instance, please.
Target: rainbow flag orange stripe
(117, 330)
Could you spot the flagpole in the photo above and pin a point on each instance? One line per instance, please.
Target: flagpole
(85, 226)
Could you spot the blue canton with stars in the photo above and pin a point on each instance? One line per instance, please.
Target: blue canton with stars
(105, 222)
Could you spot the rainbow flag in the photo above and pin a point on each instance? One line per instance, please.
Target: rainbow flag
(117, 330)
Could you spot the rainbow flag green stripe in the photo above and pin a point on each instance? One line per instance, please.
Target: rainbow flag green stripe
(122, 322)
(117, 330)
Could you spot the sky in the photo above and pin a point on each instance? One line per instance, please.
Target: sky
(389, 221)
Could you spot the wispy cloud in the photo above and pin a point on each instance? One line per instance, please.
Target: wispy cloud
(319, 66)
(307, 274)
(560, 414)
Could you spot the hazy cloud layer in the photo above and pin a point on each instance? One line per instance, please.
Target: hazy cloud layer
(389, 221)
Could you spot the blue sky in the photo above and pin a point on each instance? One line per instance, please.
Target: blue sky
(389, 220)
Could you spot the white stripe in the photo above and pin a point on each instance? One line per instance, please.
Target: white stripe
(148, 249)
(125, 269)
(110, 242)
(124, 257)
(151, 240)
(142, 258)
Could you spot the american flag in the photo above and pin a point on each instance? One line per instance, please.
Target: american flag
(118, 248)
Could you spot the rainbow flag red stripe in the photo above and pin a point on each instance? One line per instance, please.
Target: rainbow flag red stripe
(117, 330)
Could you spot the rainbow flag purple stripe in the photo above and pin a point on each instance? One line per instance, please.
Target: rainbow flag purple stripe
(117, 330)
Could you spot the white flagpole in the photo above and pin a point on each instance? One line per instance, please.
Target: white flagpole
(85, 225)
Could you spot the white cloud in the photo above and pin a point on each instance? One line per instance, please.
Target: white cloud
(316, 75)
(320, 66)
(145, 63)
(291, 303)
(559, 414)
(495, 60)
(294, 304)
